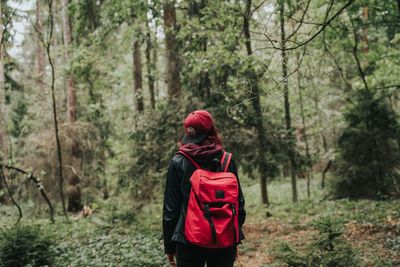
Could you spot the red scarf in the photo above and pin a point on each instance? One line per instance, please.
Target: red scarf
(208, 149)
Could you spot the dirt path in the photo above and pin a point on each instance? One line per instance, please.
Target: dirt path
(263, 237)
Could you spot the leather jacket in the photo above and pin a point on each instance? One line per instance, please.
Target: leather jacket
(176, 198)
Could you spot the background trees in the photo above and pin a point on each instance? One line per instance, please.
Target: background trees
(287, 82)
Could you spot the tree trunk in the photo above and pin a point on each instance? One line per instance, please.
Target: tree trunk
(137, 76)
(155, 57)
(303, 121)
(2, 82)
(365, 30)
(54, 107)
(150, 65)
(258, 120)
(40, 64)
(398, 6)
(71, 96)
(287, 103)
(172, 54)
(323, 138)
(3, 114)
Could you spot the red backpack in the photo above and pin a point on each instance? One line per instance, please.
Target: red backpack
(212, 212)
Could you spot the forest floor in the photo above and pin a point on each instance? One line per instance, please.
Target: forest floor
(372, 228)
(115, 236)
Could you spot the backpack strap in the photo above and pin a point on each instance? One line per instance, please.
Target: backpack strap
(189, 158)
(225, 160)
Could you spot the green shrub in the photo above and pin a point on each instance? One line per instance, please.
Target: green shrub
(368, 150)
(25, 245)
(291, 257)
(113, 249)
(328, 248)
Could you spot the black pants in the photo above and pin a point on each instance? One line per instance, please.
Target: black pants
(193, 256)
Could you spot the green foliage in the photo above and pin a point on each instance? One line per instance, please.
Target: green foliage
(93, 243)
(25, 245)
(368, 150)
(290, 256)
(19, 111)
(328, 248)
(136, 250)
(152, 145)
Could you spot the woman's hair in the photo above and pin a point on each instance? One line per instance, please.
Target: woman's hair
(213, 136)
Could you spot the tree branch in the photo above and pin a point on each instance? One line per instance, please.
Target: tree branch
(325, 24)
(11, 194)
(301, 21)
(39, 185)
(355, 54)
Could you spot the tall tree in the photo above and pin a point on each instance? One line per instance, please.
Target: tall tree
(54, 105)
(258, 119)
(172, 52)
(289, 131)
(398, 6)
(2, 75)
(305, 135)
(67, 36)
(150, 61)
(2, 82)
(40, 56)
(2, 99)
(74, 194)
(137, 75)
(323, 137)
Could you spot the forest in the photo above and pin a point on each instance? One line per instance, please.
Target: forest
(305, 95)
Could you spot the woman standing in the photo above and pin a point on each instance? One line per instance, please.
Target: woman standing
(198, 231)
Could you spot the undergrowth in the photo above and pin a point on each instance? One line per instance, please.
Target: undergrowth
(119, 233)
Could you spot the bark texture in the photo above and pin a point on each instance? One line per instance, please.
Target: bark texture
(172, 54)
(150, 64)
(40, 56)
(258, 119)
(137, 76)
(3, 147)
(290, 138)
(67, 36)
(305, 136)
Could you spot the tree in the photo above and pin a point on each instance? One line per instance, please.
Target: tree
(54, 105)
(172, 80)
(258, 120)
(40, 56)
(304, 128)
(67, 35)
(150, 62)
(289, 130)
(2, 90)
(137, 75)
(368, 150)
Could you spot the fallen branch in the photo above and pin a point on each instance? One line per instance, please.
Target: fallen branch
(10, 193)
(31, 177)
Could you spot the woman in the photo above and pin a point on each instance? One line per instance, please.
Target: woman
(200, 147)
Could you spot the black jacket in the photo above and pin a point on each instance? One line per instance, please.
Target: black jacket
(176, 198)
